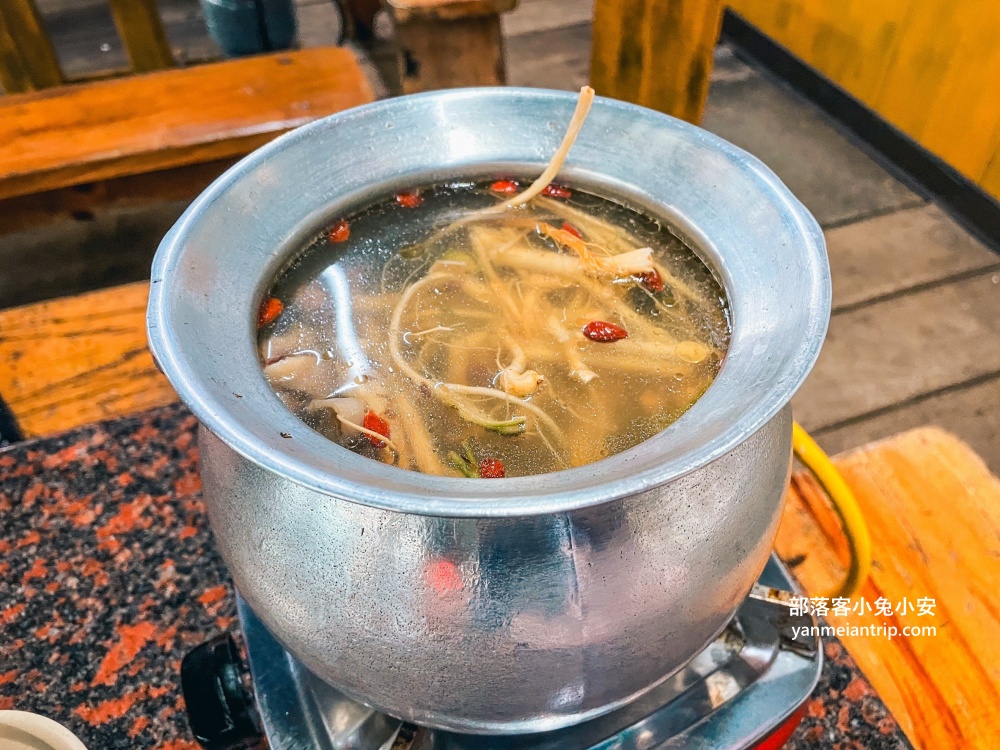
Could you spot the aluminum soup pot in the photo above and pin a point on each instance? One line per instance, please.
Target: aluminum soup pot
(509, 605)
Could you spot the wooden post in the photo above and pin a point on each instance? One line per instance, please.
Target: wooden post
(449, 43)
(657, 53)
(359, 18)
(27, 59)
(13, 75)
(141, 31)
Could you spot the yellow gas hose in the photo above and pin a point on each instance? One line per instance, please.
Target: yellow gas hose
(842, 499)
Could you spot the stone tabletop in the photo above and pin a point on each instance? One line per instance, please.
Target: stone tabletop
(109, 575)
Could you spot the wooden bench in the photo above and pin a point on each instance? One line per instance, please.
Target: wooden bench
(933, 510)
(110, 164)
(170, 119)
(28, 60)
(79, 359)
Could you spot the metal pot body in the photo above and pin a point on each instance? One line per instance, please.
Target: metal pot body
(500, 624)
(515, 604)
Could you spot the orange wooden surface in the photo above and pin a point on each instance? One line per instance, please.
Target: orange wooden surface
(81, 133)
(79, 359)
(933, 509)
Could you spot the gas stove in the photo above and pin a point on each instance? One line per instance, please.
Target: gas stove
(747, 689)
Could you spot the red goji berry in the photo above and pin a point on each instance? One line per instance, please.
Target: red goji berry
(652, 281)
(269, 310)
(374, 423)
(340, 231)
(556, 191)
(604, 332)
(409, 200)
(492, 468)
(507, 187)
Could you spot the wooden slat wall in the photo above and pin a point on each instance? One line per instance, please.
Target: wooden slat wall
(930, 67)
(139, 26)
(27, 59)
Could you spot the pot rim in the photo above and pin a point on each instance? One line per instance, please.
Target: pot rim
(249, 423)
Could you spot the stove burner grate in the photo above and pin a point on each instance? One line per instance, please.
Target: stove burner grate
(744, 689)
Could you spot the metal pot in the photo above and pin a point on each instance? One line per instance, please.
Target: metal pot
(512, 605)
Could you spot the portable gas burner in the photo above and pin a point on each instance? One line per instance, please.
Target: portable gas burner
(747, 689)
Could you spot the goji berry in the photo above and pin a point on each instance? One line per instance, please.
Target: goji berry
(604, 332)
(569, 228)
(492, 468)
(340, 231)
(374, 423)
(506, 187)
(409, 200)
(652, 281)
(556, 191)
(269, 310)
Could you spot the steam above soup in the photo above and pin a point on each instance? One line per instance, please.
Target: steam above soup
(474, 329)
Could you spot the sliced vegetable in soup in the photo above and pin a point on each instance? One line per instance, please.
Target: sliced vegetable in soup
(455, 329)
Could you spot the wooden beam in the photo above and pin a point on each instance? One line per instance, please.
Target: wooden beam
(83, 202)
(142, 33)
(657, 53)
(27, 58)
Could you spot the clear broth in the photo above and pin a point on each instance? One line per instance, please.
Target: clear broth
(469, 319)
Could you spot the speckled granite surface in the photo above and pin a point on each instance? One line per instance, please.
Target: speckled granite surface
(109, 575)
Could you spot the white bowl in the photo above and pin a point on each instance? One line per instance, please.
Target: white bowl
(22, 730)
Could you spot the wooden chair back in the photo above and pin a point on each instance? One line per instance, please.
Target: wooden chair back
(28, 60)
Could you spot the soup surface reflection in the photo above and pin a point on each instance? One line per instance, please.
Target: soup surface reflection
(438, 332)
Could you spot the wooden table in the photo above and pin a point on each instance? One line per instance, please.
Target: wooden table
(933, 509)
(79, 359)
(932, 506)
